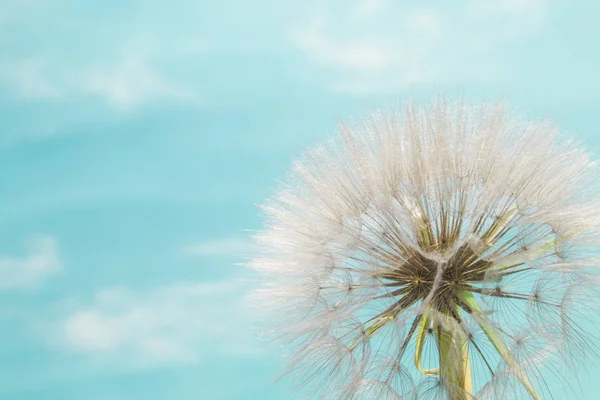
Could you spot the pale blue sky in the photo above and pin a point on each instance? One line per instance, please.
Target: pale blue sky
(137, 137)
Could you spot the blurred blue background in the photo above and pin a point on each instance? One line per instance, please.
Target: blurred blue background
(137, 137)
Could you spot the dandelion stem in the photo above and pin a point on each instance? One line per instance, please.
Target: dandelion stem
(496, 339)
(455, 365)
(424, 328)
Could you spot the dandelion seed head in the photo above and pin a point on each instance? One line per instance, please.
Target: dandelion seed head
(440, 252)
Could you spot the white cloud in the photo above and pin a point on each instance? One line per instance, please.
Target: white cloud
(131, 82)
(128, 77)
(17, 10)
(29, 77)
(379, 47)
(27, 271)
(180, 323)
(362, 55)
(366, 8)
(227, 246)
(529, 10)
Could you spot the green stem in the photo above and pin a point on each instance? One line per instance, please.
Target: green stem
(421, 336)
(495, 338)
(454, 363)
(455, 368)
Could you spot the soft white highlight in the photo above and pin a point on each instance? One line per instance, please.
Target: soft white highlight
(166, 325)
(217, 247)
(126, 80)
(133, 81)
(377, 46)
(27, 271)
(439, 253)
(30, 78)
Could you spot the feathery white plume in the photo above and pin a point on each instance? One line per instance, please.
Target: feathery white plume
(446, 252)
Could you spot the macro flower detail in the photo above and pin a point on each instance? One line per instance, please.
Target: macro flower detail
(447, 252)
